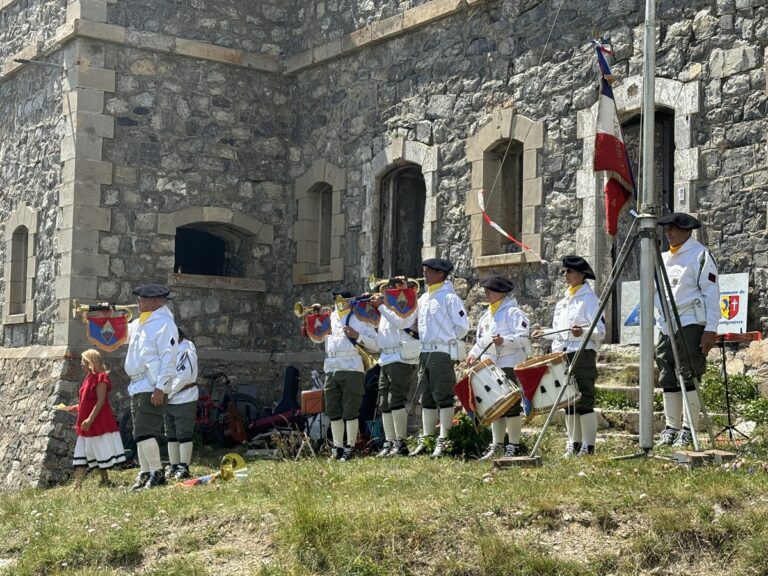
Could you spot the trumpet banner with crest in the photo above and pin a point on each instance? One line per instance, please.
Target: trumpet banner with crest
(317, 326)
(402, 301)
(107, 329)
(365, 311)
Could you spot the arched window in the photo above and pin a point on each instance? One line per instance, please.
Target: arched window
(17, 287)
(505, 166)
(319, 227)
(20, 266)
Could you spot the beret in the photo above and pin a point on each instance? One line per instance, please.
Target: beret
(152, 291)
(579, 264)
(497, 284)
(343, 292)
(680, 219)
(439, 264)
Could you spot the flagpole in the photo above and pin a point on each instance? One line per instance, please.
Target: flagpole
(647, 224)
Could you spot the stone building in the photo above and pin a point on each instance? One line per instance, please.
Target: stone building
(255, 154)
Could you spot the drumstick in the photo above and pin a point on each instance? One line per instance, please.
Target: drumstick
(477, 359)
(558, 331)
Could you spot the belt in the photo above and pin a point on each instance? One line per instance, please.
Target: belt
(434, 347)
(138, 377)
(390, 350)
(343, 354)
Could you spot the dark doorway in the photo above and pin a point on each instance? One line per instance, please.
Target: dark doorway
(403, 195)
(664, 179)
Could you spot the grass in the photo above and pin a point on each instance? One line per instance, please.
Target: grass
(405, 516)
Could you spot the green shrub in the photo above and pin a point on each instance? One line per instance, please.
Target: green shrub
(467, 438)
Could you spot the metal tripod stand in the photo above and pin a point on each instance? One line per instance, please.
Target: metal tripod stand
(724, 377)
(684, 371)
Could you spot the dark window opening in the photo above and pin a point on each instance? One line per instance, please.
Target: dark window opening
(17, 296)
(211, 250)
(325, 193)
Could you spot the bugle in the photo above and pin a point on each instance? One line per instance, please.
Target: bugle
(102, 307)
(377, 284)
(300, 310)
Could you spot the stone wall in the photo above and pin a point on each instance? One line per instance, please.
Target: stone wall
(199, 142)
(36, 442)
(30, 174)
(24, 21)
(251, 26)
(439, 84)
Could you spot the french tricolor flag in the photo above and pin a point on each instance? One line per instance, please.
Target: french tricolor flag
(610, 152)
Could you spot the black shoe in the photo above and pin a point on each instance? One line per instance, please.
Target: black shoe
(336, 453)
(346, 454)
(512, 450)
(156, 478)
(386, 448)
(399, 448)
(668, 437)
(572, 449)
(170, 470)
(586, 450)
(182, 472)
(141, 479)
(492, 452)
(440, 446)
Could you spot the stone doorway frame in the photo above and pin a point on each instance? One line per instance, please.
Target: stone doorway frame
(398, 153)
(684, 100)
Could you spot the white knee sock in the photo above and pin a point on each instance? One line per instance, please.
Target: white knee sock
(173, 453)
(695, 405)
(389, 426)
(337, 432)
(446, 421)
(573, 426)
(143, 464)
(400, 420)
(428, 420)
(673, 409)
(498, 429)
(589, 428)
(152, 454)
(514, 428)
(185, 453)
(352, 426)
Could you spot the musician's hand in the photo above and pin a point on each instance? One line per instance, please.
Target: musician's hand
(158, 397)
(708, 340)
(577, 331)
(471, 360)
(498, 340)
(351, 333)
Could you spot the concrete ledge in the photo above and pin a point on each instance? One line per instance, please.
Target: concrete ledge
(216, 282)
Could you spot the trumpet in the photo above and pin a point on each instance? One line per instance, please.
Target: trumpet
(102, 307)
(300, 310)
(377, 284)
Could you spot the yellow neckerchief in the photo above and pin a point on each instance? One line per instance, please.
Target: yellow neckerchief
(144, 316)
(343, 310)
(674, 249)
(435, 287)
(573, 289)
(494, 307)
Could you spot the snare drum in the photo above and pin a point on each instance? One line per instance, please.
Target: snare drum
(541, 379)
(493, 393)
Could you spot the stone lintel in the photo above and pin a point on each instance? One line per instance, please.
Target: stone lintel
(216, 282)
(431, 11)
(386, 28)
(206, 51)
(298, 62)
(95, 10)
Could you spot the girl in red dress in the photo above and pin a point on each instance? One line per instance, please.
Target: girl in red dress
(98, 437)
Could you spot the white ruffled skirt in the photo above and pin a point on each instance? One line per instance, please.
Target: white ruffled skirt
(103, 451)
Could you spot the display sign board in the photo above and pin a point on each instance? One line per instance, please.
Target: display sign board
(733, 307)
